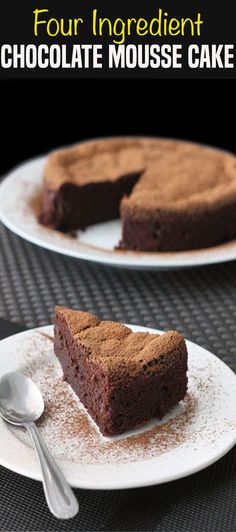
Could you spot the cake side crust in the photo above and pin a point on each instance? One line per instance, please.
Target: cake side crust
(178, 229)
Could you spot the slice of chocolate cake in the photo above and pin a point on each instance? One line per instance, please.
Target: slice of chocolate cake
(122, 378)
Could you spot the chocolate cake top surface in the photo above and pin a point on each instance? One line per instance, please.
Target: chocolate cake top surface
(173, 174)
(188, 177)
(114, 345)
(101, 160)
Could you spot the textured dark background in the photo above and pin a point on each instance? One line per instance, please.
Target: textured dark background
(201, 302)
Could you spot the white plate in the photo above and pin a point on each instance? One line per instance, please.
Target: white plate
(19, 194)
(200, 430)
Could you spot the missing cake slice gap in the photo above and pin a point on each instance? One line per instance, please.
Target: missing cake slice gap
(84, 184)
(123, 378)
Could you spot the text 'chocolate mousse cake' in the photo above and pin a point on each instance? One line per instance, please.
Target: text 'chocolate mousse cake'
(122, 378)
(170, 195)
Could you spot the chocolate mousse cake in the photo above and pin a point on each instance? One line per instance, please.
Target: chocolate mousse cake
(123, 378)
(171, 195)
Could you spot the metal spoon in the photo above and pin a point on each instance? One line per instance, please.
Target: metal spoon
(21, 403)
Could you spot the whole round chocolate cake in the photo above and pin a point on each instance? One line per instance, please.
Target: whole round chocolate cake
(170, 195)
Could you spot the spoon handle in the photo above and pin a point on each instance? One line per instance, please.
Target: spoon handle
(59, 496)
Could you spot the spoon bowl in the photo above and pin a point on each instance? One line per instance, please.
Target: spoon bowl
(20, 399)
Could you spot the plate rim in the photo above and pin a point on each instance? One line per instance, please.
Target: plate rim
(107, 484)
(128, 259)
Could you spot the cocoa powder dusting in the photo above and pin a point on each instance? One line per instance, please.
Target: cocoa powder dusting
(35, 203)
(47, 336)
(70, 432)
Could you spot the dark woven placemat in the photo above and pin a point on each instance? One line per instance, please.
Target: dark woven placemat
(201, 303)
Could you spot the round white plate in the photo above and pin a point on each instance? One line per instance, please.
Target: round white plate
(200, 430)
(19, 206)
